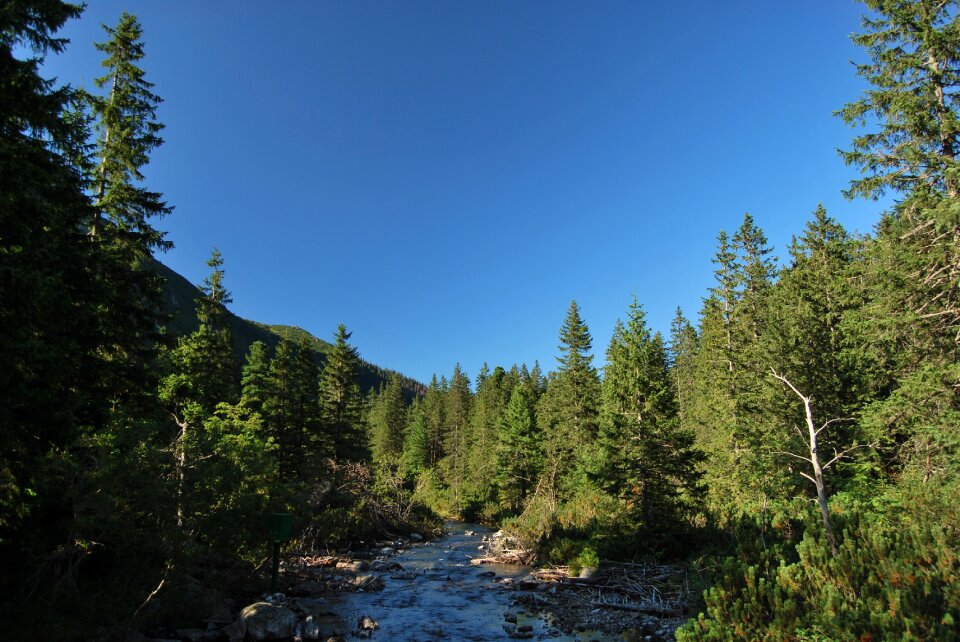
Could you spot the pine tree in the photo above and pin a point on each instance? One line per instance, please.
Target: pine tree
(647, 461)
(910, 322)
(203, 374)
(121, 227)
(127, 132)
(567, 410)
(730, 371)
(255, 380)
(51, 317)
(340, 398)
(279, 409)
(457, 401)
(682, 350)
(519, 454)
(386, 422)
(416, 441)
(436, 419)
(489, 402)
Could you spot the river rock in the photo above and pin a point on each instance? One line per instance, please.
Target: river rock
(310, 629)
(366, 626)
(265, 621)
(368, 583)
(510, 617)
(381, 566)
(416, 537)
(386, 550)
(353, 565)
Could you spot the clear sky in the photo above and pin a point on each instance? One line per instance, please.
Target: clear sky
(444, 177)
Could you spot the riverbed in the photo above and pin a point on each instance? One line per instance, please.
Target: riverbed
(440, 595)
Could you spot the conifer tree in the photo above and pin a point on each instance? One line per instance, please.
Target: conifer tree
(436, 420)
(457, 401)
(202, 375)
(127, 132)
(567, 411)
(386, 422)
(489, 403)
(255, 380)
(647, 461)
(909, 326)
(340, 398)
(682, 350)
(416, 440)
(519, 454)
(51, 311)
(280, 409)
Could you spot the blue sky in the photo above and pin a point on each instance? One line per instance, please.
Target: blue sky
(444, 177)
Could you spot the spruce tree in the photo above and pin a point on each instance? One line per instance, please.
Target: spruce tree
(202, 374)
(255, 380)
(648, 462)
(457, 402)
(340, 398)
(682, 350)
(127, 132)
(910, 323)
(567, 410)
(519, 454)
(436, 419)
(386, 421)
(416, 441)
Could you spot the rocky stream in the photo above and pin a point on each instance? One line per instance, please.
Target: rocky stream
(447, 589)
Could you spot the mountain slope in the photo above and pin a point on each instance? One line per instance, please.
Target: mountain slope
(181, 298)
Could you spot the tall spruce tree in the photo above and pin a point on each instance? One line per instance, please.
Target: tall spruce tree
(457, 402)
(567, 411)
(386, 422)
(911, 323)
(682, 350)
(648, 462)
(127, 132)
(122, 227)
(203, 374)
(340, 398)
(519, 454)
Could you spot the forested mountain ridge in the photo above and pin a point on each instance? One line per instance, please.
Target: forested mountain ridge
(181, 299)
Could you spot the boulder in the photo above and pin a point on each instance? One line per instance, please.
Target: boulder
(265, 621)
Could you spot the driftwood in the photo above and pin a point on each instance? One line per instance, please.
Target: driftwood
(654, 589)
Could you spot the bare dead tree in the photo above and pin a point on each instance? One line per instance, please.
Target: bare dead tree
(813, 456)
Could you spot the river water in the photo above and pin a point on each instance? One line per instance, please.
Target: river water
(439, 595)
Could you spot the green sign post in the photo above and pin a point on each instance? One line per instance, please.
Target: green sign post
(279, 527)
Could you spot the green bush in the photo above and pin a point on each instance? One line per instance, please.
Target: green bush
(898, 582)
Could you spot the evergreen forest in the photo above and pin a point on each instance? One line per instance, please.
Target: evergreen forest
(793, 443)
